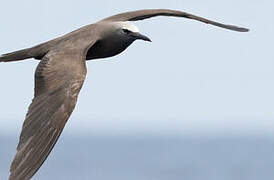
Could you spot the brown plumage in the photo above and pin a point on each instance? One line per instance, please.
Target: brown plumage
(61, 74)
(57, 85)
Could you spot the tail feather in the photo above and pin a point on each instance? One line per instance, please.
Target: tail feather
(16, 56)
(36, 52)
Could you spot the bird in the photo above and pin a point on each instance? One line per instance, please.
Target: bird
(61, 73)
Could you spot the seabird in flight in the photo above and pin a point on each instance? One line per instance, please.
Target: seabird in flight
(61, 73)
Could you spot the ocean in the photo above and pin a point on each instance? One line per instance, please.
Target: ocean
(152, 158)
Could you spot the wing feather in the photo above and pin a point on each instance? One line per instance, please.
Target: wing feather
(149, 13)
(58, 80)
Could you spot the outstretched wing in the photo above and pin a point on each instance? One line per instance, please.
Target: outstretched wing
(58, 80)
(148, 13)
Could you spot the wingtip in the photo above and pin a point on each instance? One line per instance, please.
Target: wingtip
(236, 28)
(1, 57)
(243, 30)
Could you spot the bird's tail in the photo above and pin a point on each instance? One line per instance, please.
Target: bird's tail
(34, 52)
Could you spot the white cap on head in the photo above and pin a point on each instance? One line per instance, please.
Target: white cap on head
(127, 25)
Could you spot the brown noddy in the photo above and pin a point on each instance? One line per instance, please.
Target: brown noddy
(61, 73)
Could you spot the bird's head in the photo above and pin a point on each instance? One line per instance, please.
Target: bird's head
(127, 30)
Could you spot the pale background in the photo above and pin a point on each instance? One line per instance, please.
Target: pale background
(192, 80)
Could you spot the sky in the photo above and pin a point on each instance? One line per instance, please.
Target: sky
(192, 79)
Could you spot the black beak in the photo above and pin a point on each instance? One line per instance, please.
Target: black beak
(137, 35)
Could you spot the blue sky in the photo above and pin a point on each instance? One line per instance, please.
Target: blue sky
(192, 79)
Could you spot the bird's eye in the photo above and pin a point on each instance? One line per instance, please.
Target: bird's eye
(126, 31)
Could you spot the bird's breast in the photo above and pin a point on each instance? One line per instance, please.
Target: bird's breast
(107, 48)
